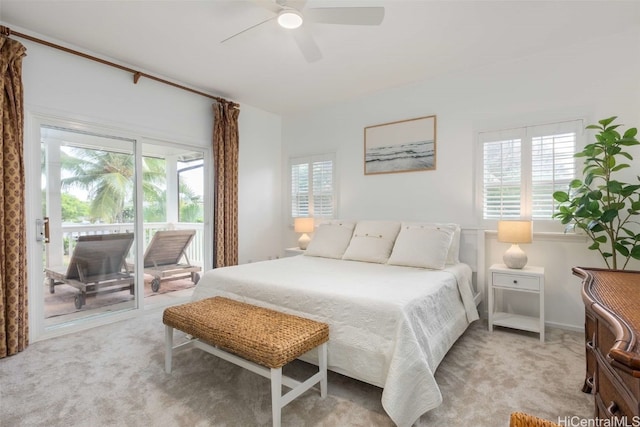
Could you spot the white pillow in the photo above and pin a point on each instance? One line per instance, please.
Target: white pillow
(423, 246)
(372, 241)
(330, 239)
(453, 255)
(454, 250)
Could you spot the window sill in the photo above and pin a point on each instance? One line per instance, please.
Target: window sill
(547, 236)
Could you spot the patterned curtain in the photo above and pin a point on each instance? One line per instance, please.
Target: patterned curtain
(14, 325)
(225, 199)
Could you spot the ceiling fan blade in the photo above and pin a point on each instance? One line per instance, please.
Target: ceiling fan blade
(346, 15)
(269, 5)
(307, 45)
(295, 4)
(247, 29)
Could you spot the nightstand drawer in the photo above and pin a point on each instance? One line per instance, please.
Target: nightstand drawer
(516, 281)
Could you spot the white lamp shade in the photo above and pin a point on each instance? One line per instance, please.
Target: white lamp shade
(303, 225)
(514, 231)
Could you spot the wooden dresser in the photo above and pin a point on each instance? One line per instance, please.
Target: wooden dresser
(612, 330)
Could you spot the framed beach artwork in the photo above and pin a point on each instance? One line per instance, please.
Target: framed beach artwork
(402, 146)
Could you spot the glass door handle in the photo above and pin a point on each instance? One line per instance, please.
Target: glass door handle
(42, 230)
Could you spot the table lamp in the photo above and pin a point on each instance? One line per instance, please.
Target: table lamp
(514, 232)
(304, 226)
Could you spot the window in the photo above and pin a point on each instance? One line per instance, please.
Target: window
(312, 187)
(522, 167)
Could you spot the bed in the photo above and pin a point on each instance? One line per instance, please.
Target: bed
(391, 324)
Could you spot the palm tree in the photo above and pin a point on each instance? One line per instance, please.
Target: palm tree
(108, 178)
(191, 205)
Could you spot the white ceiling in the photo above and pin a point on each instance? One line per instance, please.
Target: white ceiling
(180, 40)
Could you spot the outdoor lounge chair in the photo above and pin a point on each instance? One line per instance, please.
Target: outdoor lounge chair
(163, 255)
(97, 265)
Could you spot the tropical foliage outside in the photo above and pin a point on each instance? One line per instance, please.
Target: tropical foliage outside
(107, 179)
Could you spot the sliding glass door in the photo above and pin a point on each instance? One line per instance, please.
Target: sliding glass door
(173, 217)
(119, 223)
(88, 217)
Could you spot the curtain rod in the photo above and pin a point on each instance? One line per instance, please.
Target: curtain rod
(136, 74)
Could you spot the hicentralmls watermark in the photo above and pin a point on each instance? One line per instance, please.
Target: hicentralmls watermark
(575, 421)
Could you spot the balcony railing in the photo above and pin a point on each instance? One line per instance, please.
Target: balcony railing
(71, 232)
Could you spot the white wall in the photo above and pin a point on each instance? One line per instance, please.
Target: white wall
(61, 84)
(260, 199)
(595, 79)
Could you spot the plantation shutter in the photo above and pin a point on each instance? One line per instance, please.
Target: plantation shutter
(322, 188)
(552, 165)
(300, 190)
(502, 160)
(313, 187)
(523, 167)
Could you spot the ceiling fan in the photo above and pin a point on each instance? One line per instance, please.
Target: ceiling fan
(291, 14)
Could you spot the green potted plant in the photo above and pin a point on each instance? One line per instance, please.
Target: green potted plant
(601, 205)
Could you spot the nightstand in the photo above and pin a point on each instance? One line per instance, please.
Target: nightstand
(293, 251)
(529, 279)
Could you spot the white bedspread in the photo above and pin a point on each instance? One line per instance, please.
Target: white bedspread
(389, 326)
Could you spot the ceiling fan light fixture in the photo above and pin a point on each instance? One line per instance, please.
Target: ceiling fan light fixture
(290, 19)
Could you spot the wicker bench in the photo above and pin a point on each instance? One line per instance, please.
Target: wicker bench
(255, 338)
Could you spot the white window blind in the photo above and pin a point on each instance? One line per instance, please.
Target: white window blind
(322, 188)
(552, 169)
(313, 187)
(522, 167)
(300, 190)
(502, 178)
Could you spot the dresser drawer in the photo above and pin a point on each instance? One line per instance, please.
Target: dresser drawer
(516, 281)
(605, 338)
(616, 402)
(611, 323)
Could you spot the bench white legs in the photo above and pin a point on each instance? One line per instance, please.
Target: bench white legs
(168, 348)
(322, 367)
(278, 400)
(276, 396)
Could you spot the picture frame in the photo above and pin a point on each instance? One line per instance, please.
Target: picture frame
(401, 146)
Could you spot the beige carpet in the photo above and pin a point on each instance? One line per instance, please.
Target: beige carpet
(114, 376)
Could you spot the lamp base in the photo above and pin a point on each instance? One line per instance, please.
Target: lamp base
(515, 257)
(303, 241)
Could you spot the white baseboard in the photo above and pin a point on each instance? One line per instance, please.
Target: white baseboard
(565, 326)
(556, 325)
